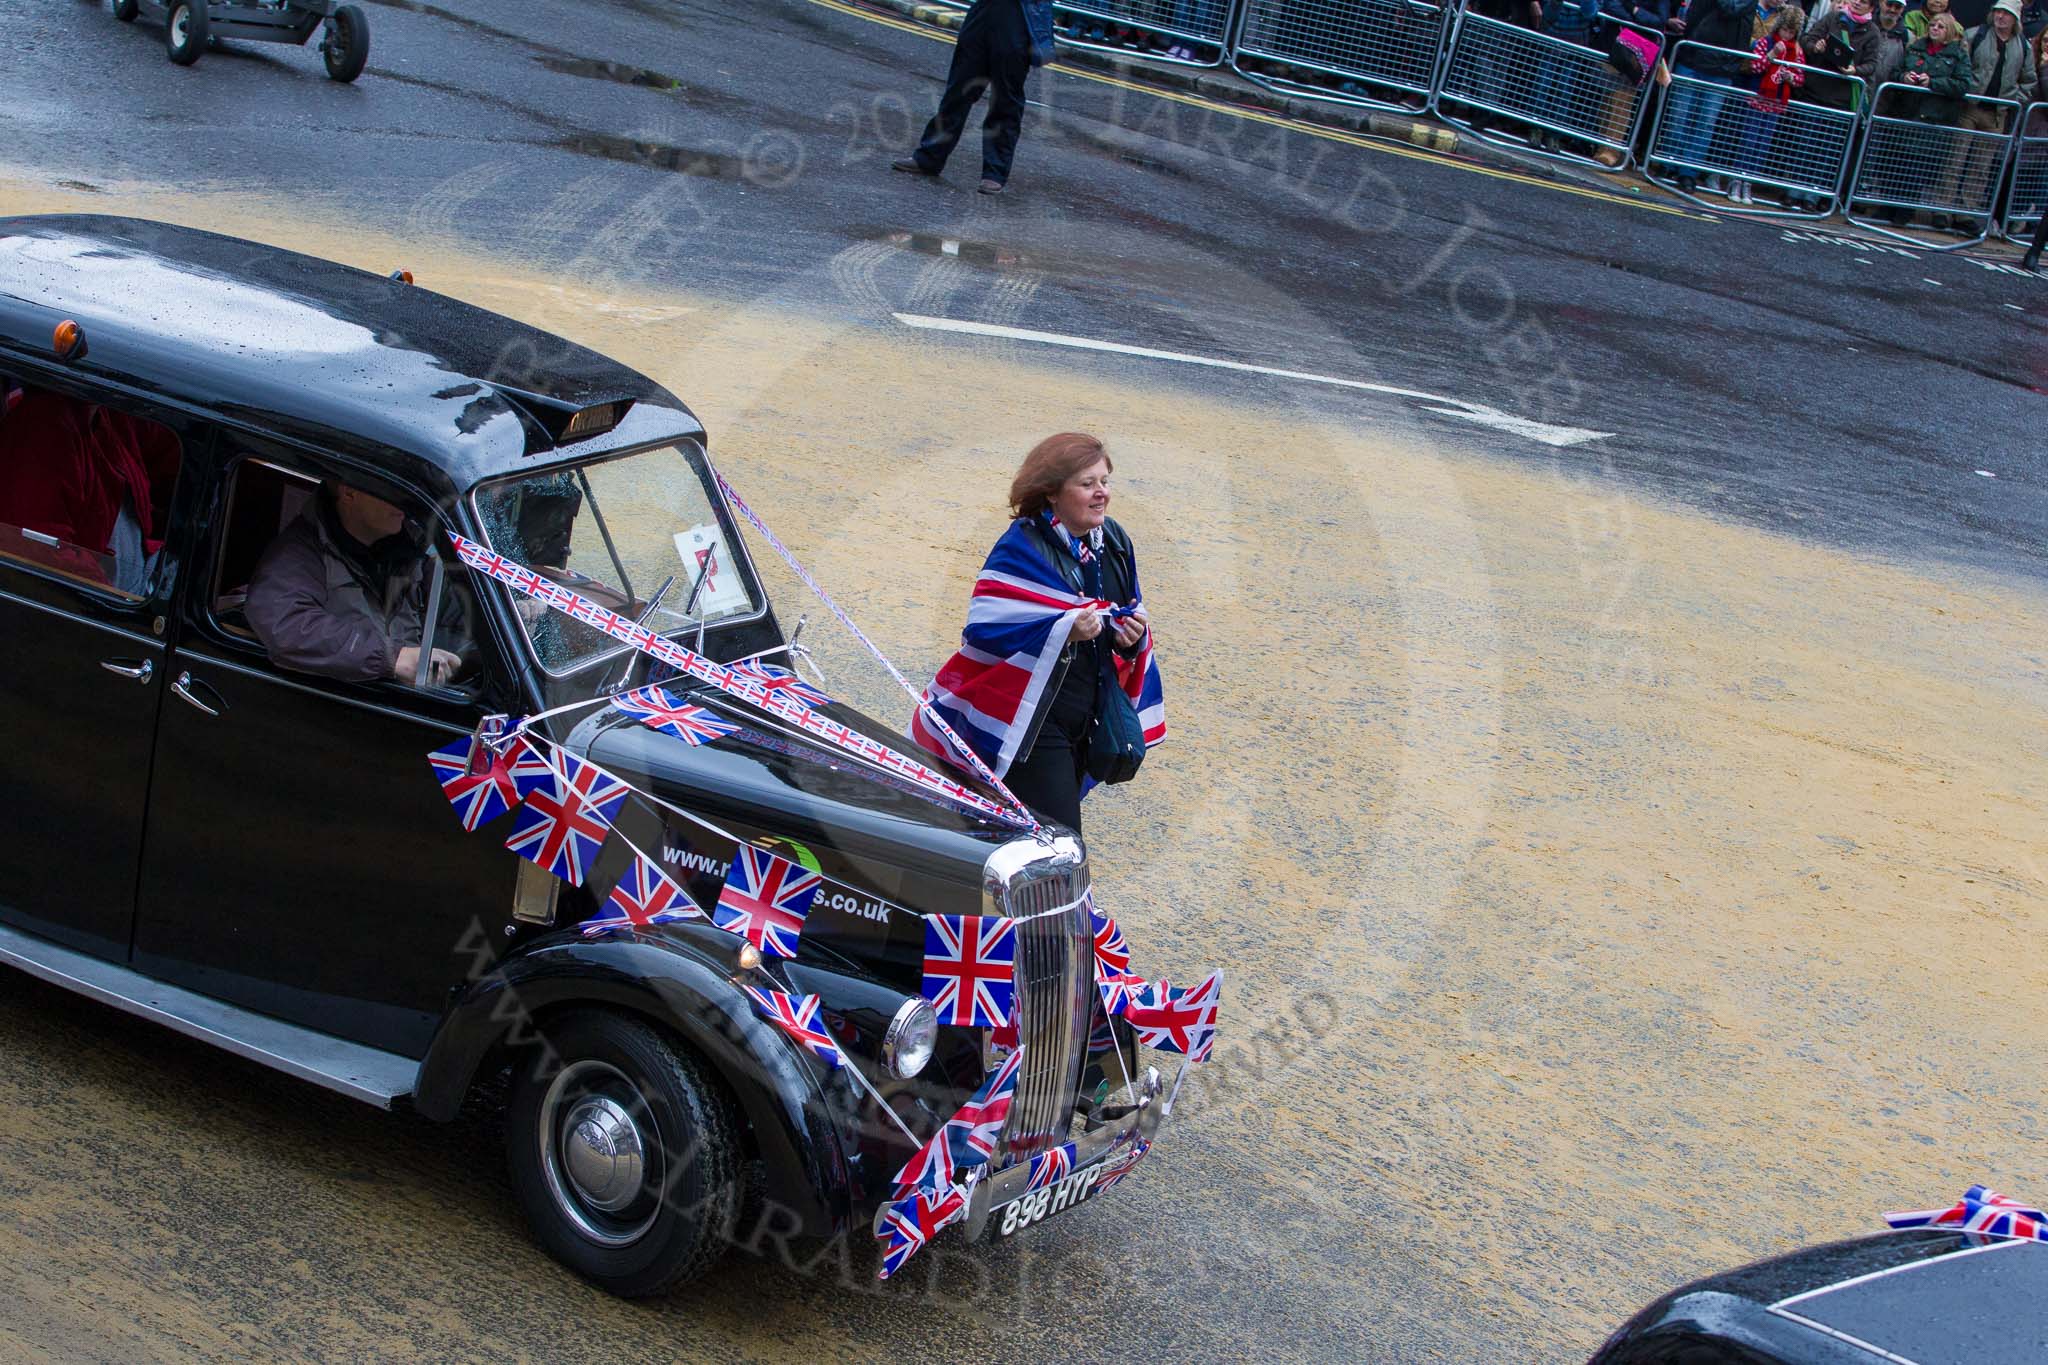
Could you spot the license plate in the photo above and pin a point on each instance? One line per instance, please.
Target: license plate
(1034, 1206)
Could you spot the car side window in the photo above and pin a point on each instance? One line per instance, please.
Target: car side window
(85, 488)
(333, 576)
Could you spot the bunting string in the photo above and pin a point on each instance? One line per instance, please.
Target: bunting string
(686, 661)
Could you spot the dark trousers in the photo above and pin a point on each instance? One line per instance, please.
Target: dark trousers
(2040, 237)
(1048, 779)
(992, 56)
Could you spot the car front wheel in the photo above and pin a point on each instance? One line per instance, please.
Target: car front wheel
(623, 1153)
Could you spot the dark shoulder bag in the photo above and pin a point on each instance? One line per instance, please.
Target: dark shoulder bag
(1116, 738)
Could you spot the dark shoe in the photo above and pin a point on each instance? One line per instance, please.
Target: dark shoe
(910, 165)
(1941, 222)
(989, 186)
(2031, 261)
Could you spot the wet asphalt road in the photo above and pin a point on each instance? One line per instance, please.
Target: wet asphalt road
(1812, 387)
(1818, 387)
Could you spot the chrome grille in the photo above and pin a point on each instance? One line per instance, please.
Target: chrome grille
(1055, 960)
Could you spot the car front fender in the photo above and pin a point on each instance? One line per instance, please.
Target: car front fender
(688, 988)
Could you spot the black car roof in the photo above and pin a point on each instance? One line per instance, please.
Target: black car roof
(311, 348)
(1926, 1296)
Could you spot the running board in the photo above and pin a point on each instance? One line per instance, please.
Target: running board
(361, 1073)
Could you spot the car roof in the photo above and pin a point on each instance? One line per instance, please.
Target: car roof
(1925, 1296)
(313, 349)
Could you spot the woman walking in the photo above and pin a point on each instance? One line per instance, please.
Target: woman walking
(1055, 673)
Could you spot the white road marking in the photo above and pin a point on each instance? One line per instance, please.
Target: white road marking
(2015, 307)
(1986, 474)
(1935, 283)
(1464, 410)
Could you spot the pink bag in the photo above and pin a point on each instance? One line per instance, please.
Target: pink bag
(1642, 49)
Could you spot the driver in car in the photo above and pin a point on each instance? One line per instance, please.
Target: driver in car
(341, 592)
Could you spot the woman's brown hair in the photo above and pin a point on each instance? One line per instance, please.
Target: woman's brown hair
(1049, 465)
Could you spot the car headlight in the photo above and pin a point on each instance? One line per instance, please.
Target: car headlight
(907, 1046)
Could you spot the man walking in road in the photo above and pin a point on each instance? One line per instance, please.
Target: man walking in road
(1000, 41)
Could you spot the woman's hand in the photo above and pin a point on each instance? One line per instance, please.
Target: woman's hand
(1087, 626)
(1130, 630)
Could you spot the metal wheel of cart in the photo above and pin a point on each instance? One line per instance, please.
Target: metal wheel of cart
(185, 32)
(346, 48)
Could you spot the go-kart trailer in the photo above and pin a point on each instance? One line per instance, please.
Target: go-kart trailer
(345, 46)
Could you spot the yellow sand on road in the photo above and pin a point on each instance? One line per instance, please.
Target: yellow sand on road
(1681, 886)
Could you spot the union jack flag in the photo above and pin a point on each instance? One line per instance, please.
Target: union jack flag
(974, 1131)
(563, 825)
(529, 766)
(1119, 1167)
(1182, 1021)
(777, 679)
(970, 966)
(658, 710)
(932, 1168)
(765, 900)
(907, 1224)
(642, 897)
(1050, 1166)
(1117, 989)
(1983, 1211)
(798, 1017)
(1112, 954)
(480, 794)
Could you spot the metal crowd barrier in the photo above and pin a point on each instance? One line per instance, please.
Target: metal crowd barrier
(2027, 194)
(1934, 168)
(1198, 26)
(1551, 85)
(1368, 52)
(1705, 126)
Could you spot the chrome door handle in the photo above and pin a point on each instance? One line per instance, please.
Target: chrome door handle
(141, 672)
(180, 688)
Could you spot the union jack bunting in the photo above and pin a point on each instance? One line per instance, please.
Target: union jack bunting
(798, 1017)
(642, 897)
(1121, 1166)
(970, 965)
(1117, 988)
(907, 1224)
(777, 679)
(765, 900)
(972, 1133)
(932, 1168)
(477, 782)
(531, 771)
(1181, 1021)
(1112, 954)
(1981, 1210)
(658, 710)
(562, 826)
(1050, 1166)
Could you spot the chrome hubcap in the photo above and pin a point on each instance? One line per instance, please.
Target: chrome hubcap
(602, 1154)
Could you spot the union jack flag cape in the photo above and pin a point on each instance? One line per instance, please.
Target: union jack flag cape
(1981, 1210)
(1017, 622)
(907, 1224)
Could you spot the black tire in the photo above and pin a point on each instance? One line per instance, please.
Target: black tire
(126, 10)
(185, 31)
(346, 46)
(606, 1086)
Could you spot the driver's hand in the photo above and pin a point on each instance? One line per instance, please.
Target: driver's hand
(440, 667)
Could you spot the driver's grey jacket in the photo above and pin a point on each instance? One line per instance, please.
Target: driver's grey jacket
(316, 611)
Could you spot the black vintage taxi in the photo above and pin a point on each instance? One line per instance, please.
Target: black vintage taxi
(231, 829)
(1916, 1296)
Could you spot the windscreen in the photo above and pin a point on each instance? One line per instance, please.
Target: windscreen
(619, 531)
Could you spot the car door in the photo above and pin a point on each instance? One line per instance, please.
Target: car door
(300, 859)
(81, 660)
